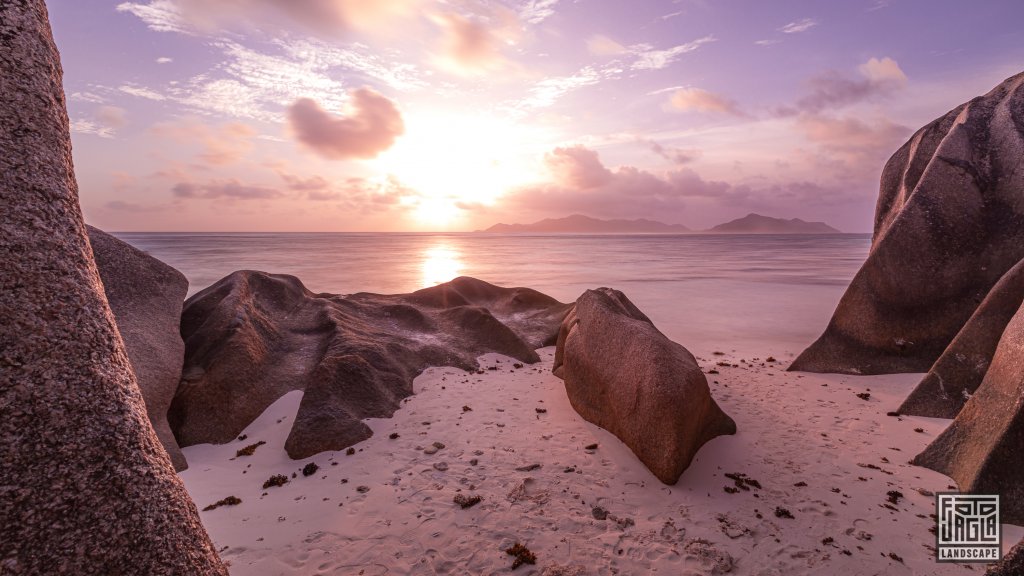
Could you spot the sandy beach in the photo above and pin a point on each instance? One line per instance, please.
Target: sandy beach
(806, 442)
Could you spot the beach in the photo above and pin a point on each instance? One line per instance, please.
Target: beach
(807, 443)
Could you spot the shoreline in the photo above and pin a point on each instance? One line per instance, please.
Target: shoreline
(793, 428)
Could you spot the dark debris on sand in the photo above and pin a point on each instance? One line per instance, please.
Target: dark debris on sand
(229, 501)
(466, 501)
(522, 555)
(249, 450)
(275, 480)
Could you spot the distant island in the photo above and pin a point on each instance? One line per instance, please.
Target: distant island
(758, 224)
(584, 224)
(749, 224)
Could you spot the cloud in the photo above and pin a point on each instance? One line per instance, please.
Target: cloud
(371, 126)
(472, 45)
(696, 99)
(142, 92)
(111, 117)
(581, 183)
(833, 90)
(577, 167)
(132, 207)
(258, 85)
(600, 45)
(547, 91)
(883, 71)
(85, 126)
(854, 137)
(222, 144)
(329, 17)
(799, 26)
(230, 189)
(105, 122)
(647, 58)
(767, 42)
(164, 60)
(675, 155)
(537, 11)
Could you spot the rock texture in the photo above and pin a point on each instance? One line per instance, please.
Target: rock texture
(252, 337)
(146, 297)
(961, 368)
(1012, 563)
(983, 449)
(624, 375)
(85, 487)
(948, 224)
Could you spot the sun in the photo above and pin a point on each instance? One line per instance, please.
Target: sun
(456, 161)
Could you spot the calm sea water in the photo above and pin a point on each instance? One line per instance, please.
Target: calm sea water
(761, 294)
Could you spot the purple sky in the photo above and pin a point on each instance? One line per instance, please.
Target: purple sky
(409, 115)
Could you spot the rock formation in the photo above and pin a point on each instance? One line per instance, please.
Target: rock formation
(982, 449)
(948, 224)
(252, 337)
(1012, 563)
(961, 368)
(624, 375)
(146, 296)
(85, 487)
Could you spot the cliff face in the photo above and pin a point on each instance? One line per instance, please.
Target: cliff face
(85, 486)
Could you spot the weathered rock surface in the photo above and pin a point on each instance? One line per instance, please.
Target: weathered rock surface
(85, 487)
(1012, 563)
(624, 375)
(948, 224)
(961, 368)
(252, 337)
(146, 297)
(983, 449)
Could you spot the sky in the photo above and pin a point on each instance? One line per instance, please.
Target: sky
(409, 115)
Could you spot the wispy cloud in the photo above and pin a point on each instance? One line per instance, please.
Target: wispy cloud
(547, 91)
(229, 189)
(325, 17)
(699, 100)
(142, 92)
(159, 15)
(537, 11)
(648, 58)
(799, 26)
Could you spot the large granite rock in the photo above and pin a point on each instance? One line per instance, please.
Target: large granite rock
(624, 375)
(948, 224)
(85, 487)
(983, 449)
(1012, 563)
(252, 337)
(961, 368)
(146, 296)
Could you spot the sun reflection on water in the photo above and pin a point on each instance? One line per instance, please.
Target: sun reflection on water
(440, 264)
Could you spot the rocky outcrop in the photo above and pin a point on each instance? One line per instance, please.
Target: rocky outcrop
(85, 487)
(982, 449)
(949, 223)
(252, 337)
(1011, 565)
(146, 296)
(961, 368)
(625, 376)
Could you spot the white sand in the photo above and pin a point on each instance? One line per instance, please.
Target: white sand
(792, 428)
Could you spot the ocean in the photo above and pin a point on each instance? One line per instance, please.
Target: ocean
(752, 294)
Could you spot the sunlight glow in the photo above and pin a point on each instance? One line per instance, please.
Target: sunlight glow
(441, 263)
(468, 159)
